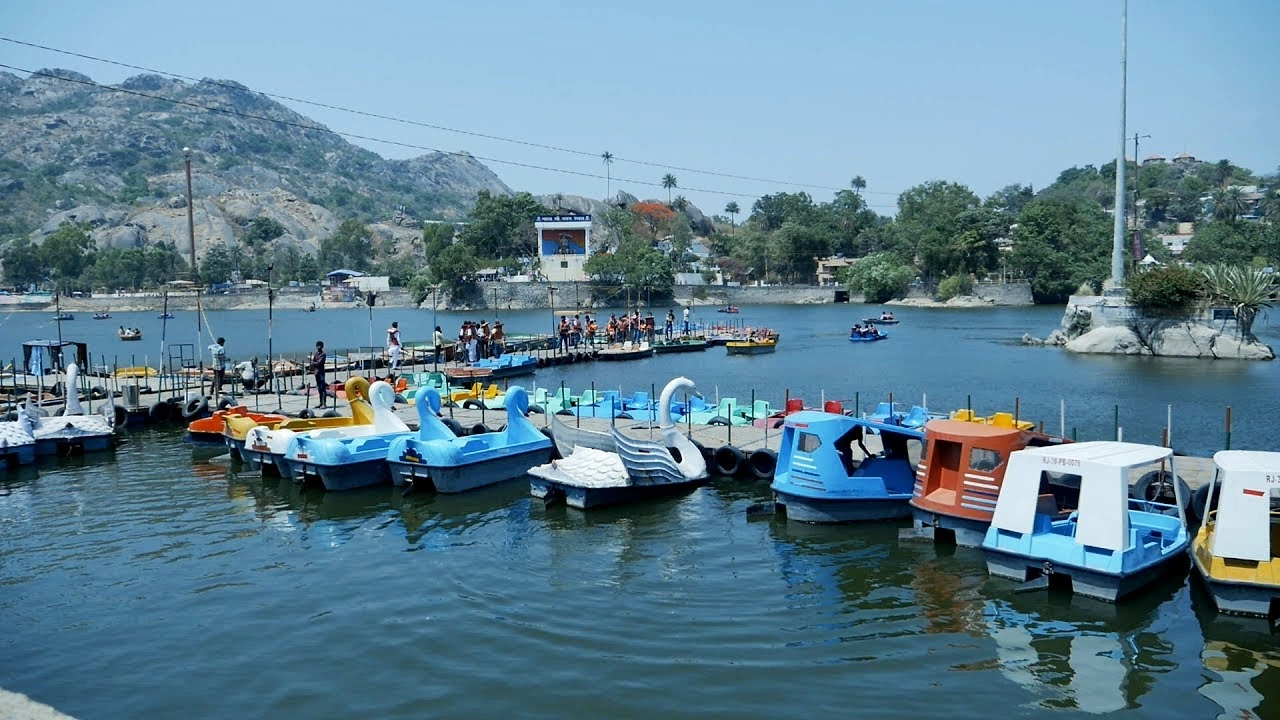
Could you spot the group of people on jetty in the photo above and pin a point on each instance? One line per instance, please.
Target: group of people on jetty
(583, 329)
(478, 338)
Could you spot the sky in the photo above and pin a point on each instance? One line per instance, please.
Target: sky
(802, 95)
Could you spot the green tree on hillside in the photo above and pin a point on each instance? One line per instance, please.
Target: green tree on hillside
(67, 252)
(1059, 246)
(217, 264)
(878, 277)
(502, 227)
(350, 247)
(22, 265)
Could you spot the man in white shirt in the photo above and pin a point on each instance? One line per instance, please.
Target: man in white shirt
(686, 319)
(218, 353)
(393, 344)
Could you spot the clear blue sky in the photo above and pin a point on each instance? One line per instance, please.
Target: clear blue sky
(983, 92)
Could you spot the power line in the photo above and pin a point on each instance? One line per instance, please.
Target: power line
(368, 138)
(471, 133)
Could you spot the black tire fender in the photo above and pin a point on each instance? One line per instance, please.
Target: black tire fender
(728, 460)
(762, 463)
(195, 407)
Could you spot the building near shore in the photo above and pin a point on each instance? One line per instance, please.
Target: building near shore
(564, 245)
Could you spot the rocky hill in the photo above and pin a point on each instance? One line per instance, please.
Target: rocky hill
(72, 151)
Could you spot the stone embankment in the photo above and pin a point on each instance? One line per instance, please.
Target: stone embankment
(984, 295)
(1109, 325)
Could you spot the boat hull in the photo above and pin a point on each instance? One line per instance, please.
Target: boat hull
(235, 448)
(680, 347)
(587, 498)
(268, 462)
(462, 478)
(823, 510)
(64, 445)
(750, 349)
(1240, 598)
(347, 476)
(948, 529)
(1109, 587)
(19, 454)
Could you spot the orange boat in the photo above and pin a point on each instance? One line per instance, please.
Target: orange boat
(208, 431)
(959, 477)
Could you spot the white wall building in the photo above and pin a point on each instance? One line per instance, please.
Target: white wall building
(564, 244)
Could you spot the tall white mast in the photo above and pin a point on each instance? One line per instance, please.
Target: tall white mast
(1118, 232)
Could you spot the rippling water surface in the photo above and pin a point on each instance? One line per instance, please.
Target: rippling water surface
(151, 584)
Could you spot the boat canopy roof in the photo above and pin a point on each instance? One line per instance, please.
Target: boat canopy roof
(961, 430)
(1248, 478)
(1103, 520)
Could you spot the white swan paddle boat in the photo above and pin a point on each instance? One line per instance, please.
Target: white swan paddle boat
(73, 430)
(590, 477)
(17, 444)
(344, 458)
(435, 457)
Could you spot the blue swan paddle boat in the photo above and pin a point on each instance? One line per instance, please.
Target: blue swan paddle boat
(344, 458)
(1064, 516)
(858, 337)
(826, 473)
(436, 458)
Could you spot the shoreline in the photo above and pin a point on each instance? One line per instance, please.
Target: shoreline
(508, 296)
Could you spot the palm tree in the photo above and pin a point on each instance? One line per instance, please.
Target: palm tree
(1229, 204)
(668, 182)
(1246, 290)
(680, 203)
(607, 157)
(858, 183)
(732, 209)
(1270, 206)
(1222, 170)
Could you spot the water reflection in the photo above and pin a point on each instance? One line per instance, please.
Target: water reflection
(1073, 652)
(1241, 660)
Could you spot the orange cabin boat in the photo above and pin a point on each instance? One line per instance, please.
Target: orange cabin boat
(959, 476)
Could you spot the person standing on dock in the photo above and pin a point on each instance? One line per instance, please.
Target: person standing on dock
(218, 352)
(498, 345)
(485, 337)
(316, 365)
(393, 344)
(564, 334)
(671, 323)
(686, 319)
(437, 340)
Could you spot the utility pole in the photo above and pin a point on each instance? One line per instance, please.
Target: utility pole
(191, 239)
(1117, 232)
(1138, 252)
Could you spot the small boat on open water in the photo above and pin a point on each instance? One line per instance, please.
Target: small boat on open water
(751, 346)
(1237, 549)
(102, 316)
(873, 336)
(129, 333)
(826, 474)
(1065, 515)
(438, 459)
(731, 309)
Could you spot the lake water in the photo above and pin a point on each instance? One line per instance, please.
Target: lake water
(150, 584)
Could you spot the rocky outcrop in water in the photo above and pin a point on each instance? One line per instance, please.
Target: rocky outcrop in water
(1111, 326)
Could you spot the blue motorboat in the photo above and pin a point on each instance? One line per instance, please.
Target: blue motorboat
(868, 337)
(436, 458)
(344, 458)
(827, 474)
(1064, 517)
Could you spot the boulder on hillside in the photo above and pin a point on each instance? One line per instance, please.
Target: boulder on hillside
(91, 215)
(123, 237)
